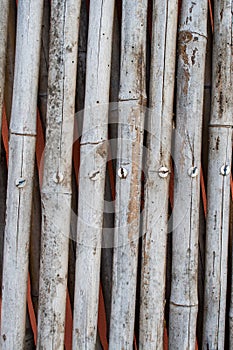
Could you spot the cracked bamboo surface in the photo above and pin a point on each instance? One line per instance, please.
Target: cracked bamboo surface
(56, 189)
(192, 37)
(120, 295)
(93, 157)
(4, 14)
(218, 187)
(159, 126)
(20, 175)
(132, 99)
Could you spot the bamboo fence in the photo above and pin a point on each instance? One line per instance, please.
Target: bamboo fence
(116, 188)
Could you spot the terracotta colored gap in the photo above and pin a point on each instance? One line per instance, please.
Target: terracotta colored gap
(31, 311)
(68, 324)
(102, 322)
(211, 15)
(203, 192)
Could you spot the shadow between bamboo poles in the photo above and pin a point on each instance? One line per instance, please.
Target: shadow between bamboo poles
(155, 227)
(132, 98)
(20, 175)
(203, 181)
(3, 186)
(56, 189)
(10, 60)
(108, 220)
(44, 64)
(218, 188)
(192, 39)
(35, 237)
(4, 13)
(93, 157)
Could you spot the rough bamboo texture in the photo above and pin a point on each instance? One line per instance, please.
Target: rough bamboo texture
(93, 157)
(20, 174)
(218, 190)
(158, 153)
(4, 14)
(192, 39)
(132, 99)
(56, 190)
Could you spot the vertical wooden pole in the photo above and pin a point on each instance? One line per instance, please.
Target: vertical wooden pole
(93, 157)
(192, 40)
(4, 13)
(218, 187)
(20, 174)
(162, 77)
(56, 189)
(132, 101)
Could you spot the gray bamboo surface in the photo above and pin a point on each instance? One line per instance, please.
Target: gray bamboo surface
(116, 188)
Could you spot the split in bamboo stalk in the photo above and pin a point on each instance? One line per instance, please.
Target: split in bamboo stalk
(20, 174)
(153, 275)
(218, 188)
(56, 189)
(192, 40)
(93, 157)
(4, 13)
(132, 99)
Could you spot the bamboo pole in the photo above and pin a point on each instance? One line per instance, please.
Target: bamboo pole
(162, 76)
(56, 189)
(20, 174)
(132, 99)
(192, 40)
(218, 187)
(93, 157)
(4, 13)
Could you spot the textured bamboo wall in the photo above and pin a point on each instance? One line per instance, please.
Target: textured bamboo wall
(115, 174)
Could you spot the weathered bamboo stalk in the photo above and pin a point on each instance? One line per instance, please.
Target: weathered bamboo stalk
(4, 13)
(20, 174)
(132, 99)
(162, 77)
(93, 157)
(187, 160)
(56, 189)
(218, 190)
